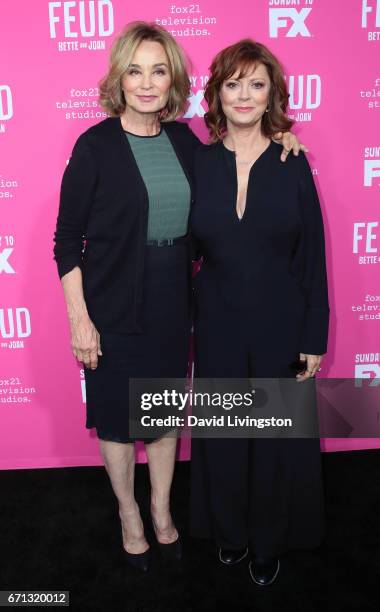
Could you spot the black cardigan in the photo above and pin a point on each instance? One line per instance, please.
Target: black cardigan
(104, 201)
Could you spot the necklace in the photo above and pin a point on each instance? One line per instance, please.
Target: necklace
(125, 128)
(243, 161)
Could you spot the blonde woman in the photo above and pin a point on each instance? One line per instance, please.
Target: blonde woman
(127, 191)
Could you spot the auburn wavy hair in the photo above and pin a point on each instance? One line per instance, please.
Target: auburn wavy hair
(111, 95)
(241, 58)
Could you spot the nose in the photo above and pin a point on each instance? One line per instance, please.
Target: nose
(146, 81)
(244, 91)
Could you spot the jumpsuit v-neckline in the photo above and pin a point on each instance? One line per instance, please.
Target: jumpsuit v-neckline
(231, 157)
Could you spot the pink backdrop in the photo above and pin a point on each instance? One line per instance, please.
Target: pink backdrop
(52, 57)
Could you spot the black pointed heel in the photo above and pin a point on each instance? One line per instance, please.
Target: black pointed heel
(140, 561)
(169, 552)
(172, 551)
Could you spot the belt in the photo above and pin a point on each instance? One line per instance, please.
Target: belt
(167, 241)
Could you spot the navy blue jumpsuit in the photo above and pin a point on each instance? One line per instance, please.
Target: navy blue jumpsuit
(261, 298)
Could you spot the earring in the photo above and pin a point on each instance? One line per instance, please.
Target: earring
(267, 110)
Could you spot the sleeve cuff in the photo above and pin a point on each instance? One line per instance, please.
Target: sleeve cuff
(315, 333)
(68, 263)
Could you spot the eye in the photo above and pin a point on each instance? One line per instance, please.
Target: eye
(160, 71)
(133, 71)
(231, 84)
(258, 85)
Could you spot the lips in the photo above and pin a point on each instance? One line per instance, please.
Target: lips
(243, 109)
(146, 98)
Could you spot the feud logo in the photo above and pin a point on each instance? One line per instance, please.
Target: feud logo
(85, 18)
(6, 103)
(288, 21)
(370, 13)
(365, 238)
(15, 323)
(304, 91)
(371, 18)
(371, 166)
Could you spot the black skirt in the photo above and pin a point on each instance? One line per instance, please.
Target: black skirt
(161, 351)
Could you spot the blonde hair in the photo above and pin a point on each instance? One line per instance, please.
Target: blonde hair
(123, 48)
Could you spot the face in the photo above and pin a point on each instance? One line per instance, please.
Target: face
(245, 100)
(146, 82)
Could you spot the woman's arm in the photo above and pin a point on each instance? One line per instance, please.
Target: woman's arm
(77, 189)
(195, 247)
(313, 271)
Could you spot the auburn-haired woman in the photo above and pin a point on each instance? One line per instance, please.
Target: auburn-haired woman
(261, 307)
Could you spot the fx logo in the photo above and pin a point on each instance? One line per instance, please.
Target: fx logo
(280, 17)
(370, 6)
(369, 371)
(371, 170)
(195, 107)
(370, 237)
(5, 266)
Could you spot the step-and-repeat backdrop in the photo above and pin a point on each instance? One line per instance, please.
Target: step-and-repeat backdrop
(52, 55)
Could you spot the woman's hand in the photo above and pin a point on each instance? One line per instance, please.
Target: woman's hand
(85, 342)
(312, 366)
(85, 339)
(290, 142)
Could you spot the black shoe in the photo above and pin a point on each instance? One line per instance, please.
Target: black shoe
(264, 570)
(140, 561)
(232, 557)
(172, 551)
(169, 552)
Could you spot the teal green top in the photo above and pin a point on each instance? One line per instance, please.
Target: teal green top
(167, 186)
